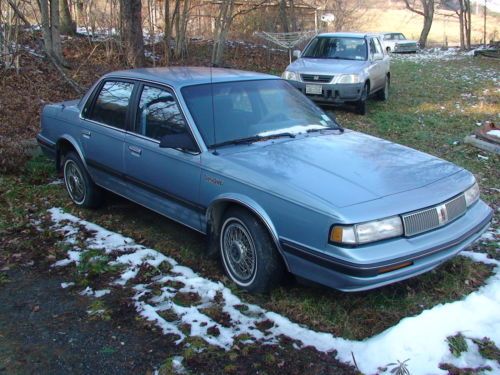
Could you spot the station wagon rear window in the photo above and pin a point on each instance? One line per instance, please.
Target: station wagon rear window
(111, 105)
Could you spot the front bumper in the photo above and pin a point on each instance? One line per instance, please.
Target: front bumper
(332, 93)
(420, 254)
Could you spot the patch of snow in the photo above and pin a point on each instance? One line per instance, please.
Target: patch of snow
(67, 285)
(298, 129)
(495, 133)
(88, 291)
(59, 181)
(421, 338)
(482, 157)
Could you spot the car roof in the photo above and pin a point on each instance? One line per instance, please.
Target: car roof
(348, 35)
(180, 76)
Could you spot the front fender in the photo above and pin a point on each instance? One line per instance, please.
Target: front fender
(253, 207)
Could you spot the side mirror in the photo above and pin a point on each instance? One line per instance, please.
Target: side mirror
(378, 56)
(296, 53)
(182, 141)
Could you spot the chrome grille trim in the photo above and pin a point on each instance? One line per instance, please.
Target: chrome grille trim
(431, 218)
(320, 78)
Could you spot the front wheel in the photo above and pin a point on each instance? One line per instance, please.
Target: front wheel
(81, 189)
(361, 103)
(249, 255)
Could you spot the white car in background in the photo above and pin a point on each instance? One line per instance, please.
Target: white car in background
(397, 43)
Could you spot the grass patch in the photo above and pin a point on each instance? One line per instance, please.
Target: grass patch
(457, 344)
(488, 349)
(95, 262)
(4, 279)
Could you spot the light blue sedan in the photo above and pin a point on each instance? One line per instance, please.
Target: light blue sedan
(274, 183)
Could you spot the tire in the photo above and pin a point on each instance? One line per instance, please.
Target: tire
(388, 49)
(384, 93)
(81, 189)
(361, 103)
(244, 241)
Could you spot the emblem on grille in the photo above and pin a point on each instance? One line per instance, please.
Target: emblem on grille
(316, 78)
(442, 214)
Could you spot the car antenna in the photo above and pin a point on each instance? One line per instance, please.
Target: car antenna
(213, 107)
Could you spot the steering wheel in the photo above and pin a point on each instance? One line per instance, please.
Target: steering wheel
(276, 116)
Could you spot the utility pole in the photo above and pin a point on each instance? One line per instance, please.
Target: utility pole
(484, 22)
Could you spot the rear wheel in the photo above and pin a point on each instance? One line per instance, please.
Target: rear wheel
(81, 189)
(384, 93)
(361, 103)
(249, 255)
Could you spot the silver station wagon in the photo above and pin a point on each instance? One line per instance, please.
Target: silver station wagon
(339, 68)
(274, 183)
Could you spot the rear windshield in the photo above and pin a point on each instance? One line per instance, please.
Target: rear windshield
(337, 48)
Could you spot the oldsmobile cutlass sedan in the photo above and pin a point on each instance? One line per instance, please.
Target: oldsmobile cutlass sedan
(274, 183)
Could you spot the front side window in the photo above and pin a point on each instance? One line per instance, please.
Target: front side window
(111, 105)
(158, 114)
(269, 107)
(336, 48)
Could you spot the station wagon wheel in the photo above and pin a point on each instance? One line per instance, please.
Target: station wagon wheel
(248, 253)
(81, 189)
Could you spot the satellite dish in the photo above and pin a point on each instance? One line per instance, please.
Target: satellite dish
(328, 17)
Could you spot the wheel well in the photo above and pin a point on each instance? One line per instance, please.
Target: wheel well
(215, 222)
(388, 49)
(63, 147)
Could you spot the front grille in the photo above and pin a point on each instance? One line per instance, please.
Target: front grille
(411, 46)
(316, 78)
(430, 218)
(456, 207)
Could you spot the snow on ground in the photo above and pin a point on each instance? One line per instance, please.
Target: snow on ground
(421, 338)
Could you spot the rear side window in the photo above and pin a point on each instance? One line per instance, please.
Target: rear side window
(111, 105)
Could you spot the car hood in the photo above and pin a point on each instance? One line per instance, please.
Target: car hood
(329, 66)
(339, 170)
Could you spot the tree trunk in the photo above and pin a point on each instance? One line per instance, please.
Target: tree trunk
(222, 25)
(181, 28)
(284, 17)
(428, 6)
(47, 36)
(131, 18)
(68, 26)
(55, 31)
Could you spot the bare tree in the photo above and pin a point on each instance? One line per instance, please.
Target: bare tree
(223, 22)
(464, 17)
(426, 10)
(49, 10)
(181, 21)
(68, 26)
(131, 21)
(18, 12)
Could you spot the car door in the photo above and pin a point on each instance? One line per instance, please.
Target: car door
(103, 124)
(164, 179)
(377, 74)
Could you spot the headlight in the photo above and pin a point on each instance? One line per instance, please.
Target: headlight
(472, 194)
(367, 232)
(291, 76)
(348, 78)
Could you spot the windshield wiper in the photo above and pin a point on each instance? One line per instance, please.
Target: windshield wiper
(253, 139)
(337, 127)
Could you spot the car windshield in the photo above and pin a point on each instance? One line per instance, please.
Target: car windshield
(394, 36)
(252, 111)
(337, 48)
